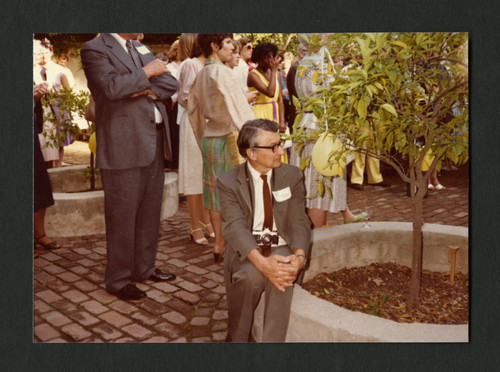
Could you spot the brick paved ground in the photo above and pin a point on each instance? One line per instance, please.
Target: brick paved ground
(71, 304)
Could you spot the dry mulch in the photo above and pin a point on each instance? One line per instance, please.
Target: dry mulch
(382, 289)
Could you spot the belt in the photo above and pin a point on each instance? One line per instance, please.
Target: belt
(160, 125)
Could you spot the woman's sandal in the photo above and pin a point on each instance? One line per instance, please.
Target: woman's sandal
(200, 241)
(51, 245)
(360, 217)
(209, 230)
(439, 187)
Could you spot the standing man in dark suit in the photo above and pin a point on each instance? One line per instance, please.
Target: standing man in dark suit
(128, 85)
(267, 231)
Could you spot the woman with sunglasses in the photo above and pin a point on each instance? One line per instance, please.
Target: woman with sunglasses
(245, 64)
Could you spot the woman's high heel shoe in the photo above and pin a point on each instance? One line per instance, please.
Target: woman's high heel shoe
(209, 230)
(200, 241)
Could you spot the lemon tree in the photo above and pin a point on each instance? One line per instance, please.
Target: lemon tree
(400, 97)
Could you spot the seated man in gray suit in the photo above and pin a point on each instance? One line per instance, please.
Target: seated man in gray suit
(128, 85)
(267, 231)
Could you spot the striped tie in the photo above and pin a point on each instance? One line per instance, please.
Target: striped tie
(133, 54)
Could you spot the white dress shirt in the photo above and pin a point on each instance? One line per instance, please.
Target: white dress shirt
(258, 213)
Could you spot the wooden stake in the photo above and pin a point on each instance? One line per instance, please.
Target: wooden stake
(453, 250)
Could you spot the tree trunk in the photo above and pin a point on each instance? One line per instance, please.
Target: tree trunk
(418, 242)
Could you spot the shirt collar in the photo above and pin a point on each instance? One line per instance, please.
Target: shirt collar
(121, 40)
(256, 174)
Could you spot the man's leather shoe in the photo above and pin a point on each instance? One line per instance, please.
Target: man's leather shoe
(382, 184)
(130, 292)
(159, 276)
(357, 186)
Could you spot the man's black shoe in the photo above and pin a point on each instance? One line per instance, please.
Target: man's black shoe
(159, 276)
(130, 292)
(357, 186)
(382, 184)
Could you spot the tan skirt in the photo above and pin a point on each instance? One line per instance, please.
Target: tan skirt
(190, 160)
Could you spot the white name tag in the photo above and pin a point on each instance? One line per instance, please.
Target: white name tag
(142, 49)
(283, 194)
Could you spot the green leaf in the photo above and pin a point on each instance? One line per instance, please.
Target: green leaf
(361, 107)
(318, 111)
(330, 194)
(399, 44)
(384, 298)
(304, 163)
(369, 91)
(389, 108)
(297, 121)
(321, 188)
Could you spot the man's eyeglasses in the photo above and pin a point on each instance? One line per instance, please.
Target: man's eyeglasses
(273, 147)
(248, 47)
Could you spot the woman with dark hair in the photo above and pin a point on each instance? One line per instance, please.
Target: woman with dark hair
(266, 80)
(217, 111)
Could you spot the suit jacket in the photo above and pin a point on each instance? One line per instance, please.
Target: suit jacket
(236, 192)
(125, 126)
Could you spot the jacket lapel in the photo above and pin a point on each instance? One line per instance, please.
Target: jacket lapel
(245, 187)
(142, 57)
(120, 53)
(280, 179)
(279, 182)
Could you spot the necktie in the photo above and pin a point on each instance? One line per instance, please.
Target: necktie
(43, 72)
(133, 54)
(268, 212)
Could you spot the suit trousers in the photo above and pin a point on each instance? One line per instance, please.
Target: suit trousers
(132, 207)
(372, 169)
(244, 286)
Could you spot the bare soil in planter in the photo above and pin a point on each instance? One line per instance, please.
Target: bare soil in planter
(381, 289)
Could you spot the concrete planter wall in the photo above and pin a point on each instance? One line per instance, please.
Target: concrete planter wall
(315, 320)
(82, 213)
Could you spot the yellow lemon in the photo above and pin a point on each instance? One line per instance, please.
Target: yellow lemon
(326, 145)
(93, 143)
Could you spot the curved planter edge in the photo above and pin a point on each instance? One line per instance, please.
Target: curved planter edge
(82, 213)
(315, 320)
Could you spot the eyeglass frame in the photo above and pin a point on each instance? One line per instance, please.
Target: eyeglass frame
(274, 147)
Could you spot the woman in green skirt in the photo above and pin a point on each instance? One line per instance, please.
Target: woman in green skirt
(217, 109)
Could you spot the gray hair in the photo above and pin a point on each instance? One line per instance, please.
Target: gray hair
(249, 132)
